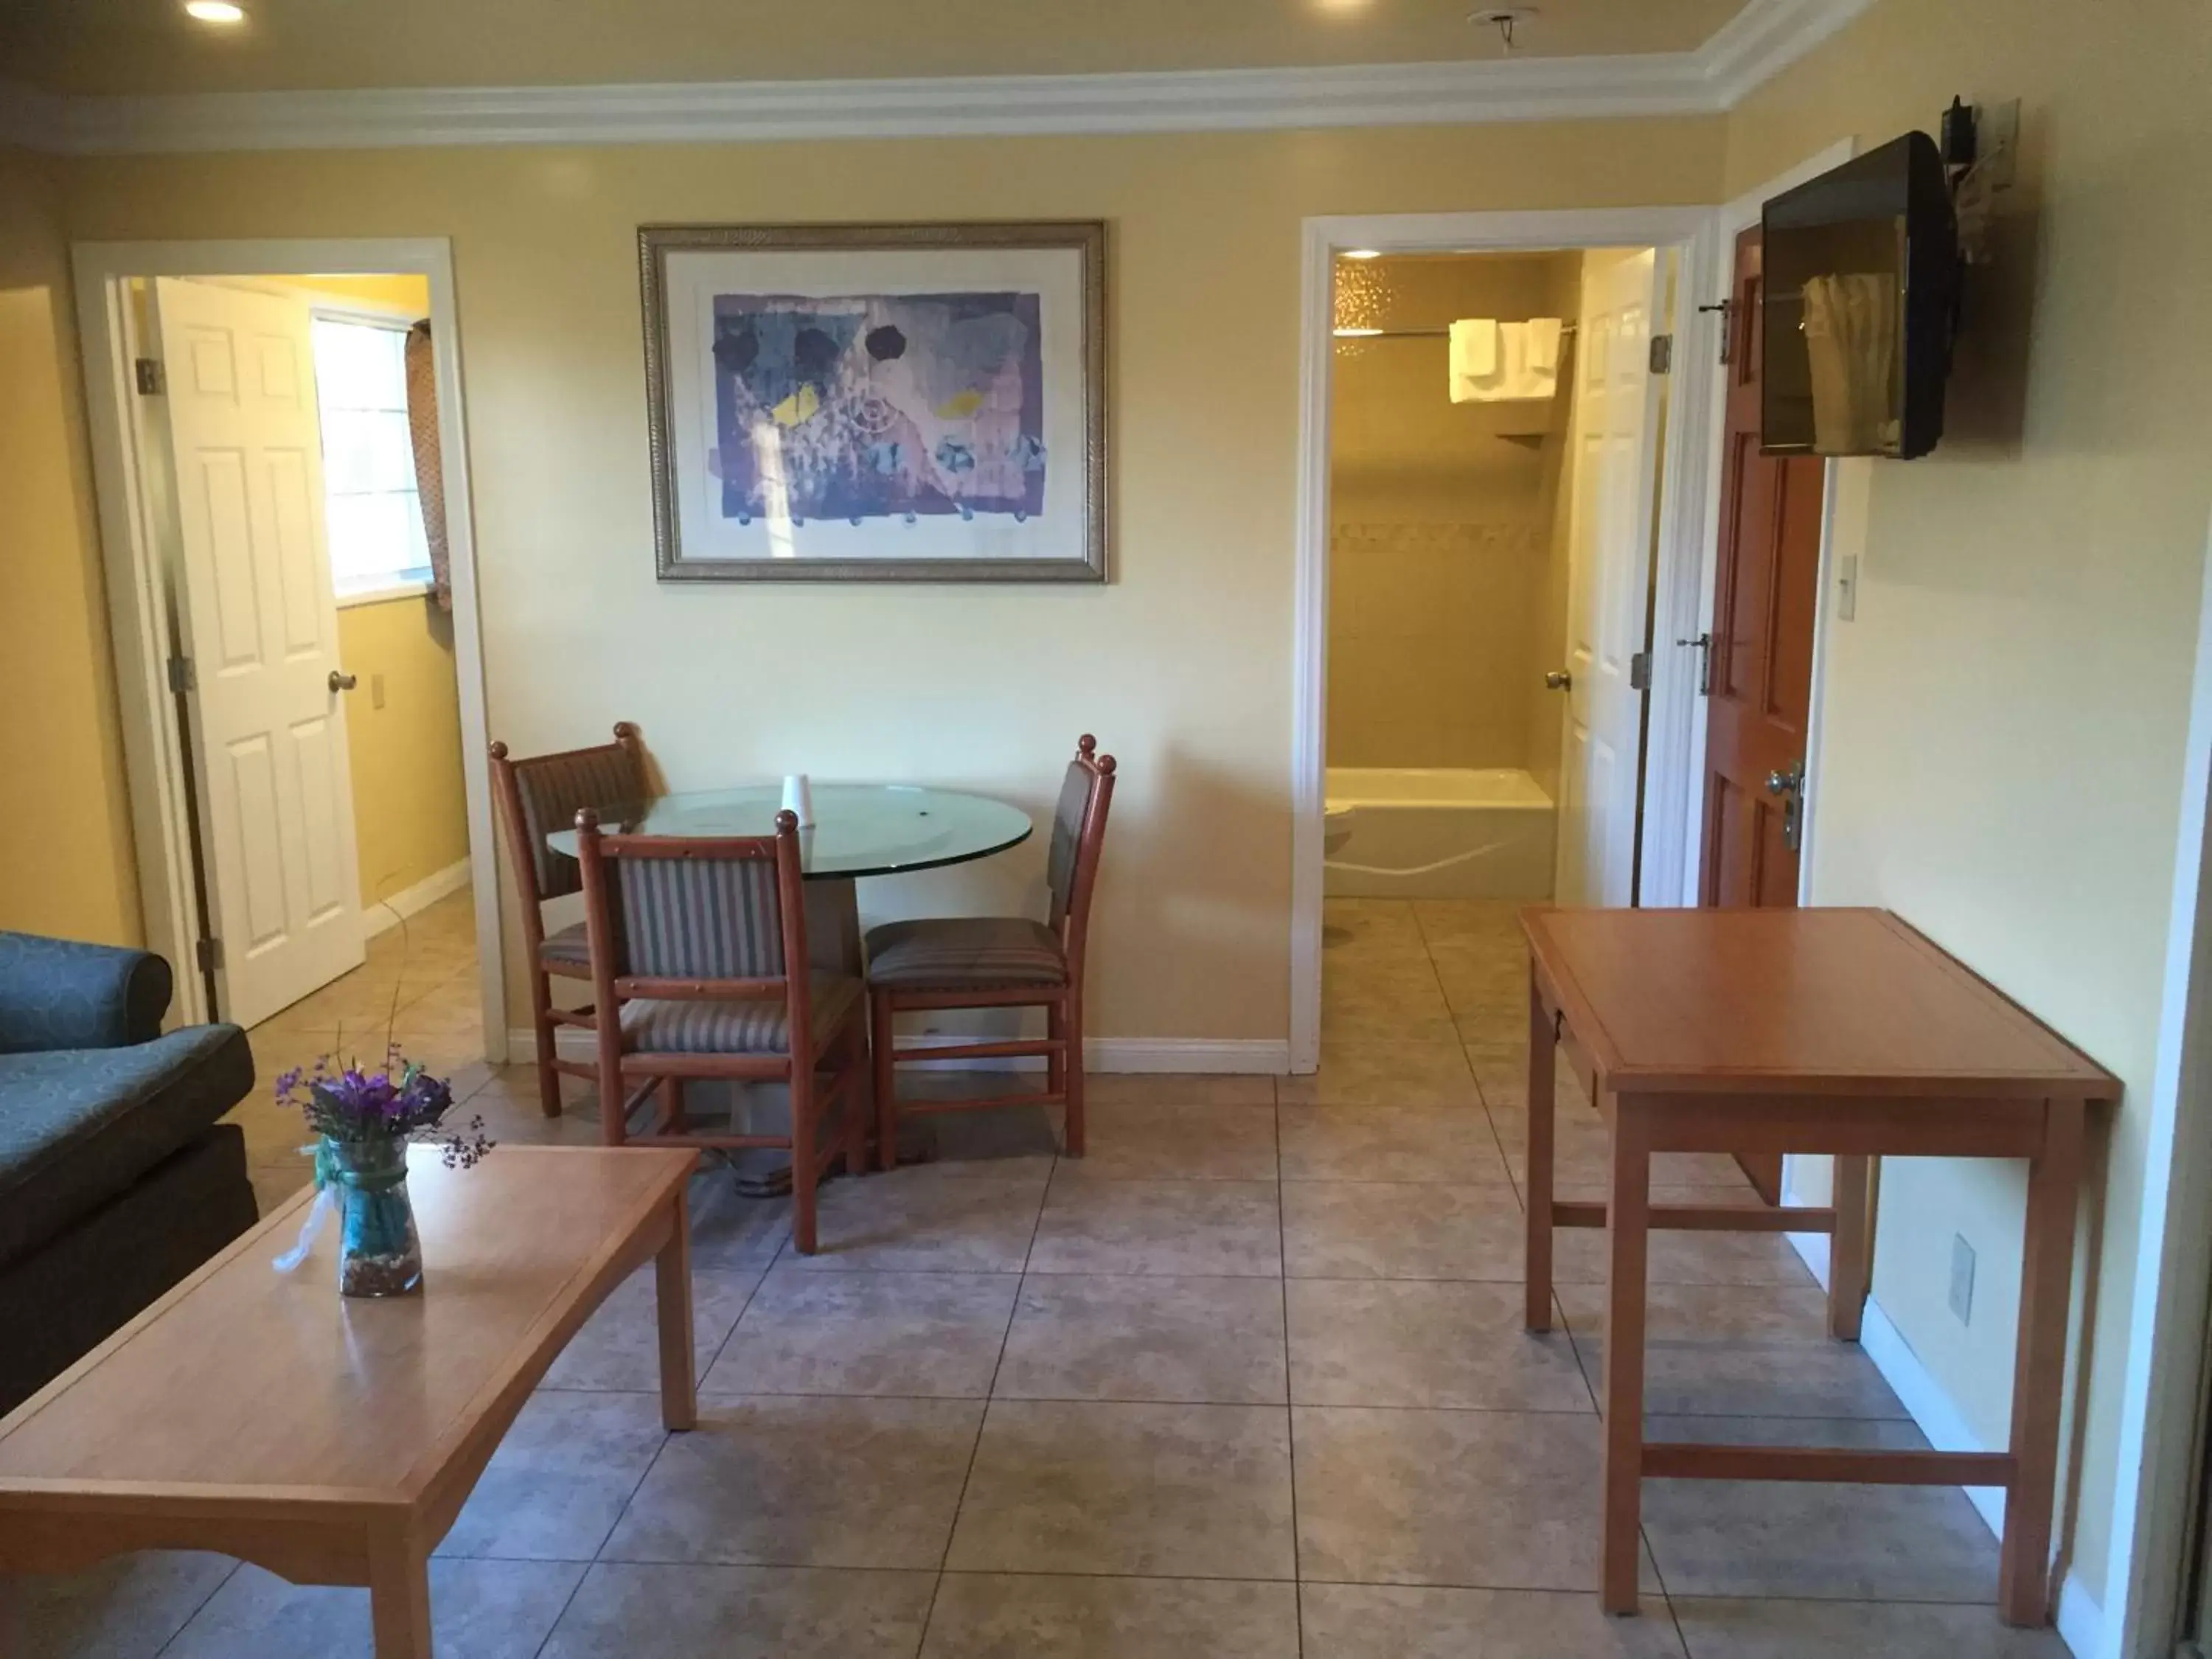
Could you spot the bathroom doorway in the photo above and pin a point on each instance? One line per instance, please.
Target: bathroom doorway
(1492, 512)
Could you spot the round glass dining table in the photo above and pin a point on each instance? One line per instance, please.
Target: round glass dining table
(858, 828)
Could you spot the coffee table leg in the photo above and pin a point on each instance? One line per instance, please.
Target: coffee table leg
(2039, 1376)
(399, 1598)
(1847, 1260)
(1628, 1220)
(671, 1277)
(1537, 1268)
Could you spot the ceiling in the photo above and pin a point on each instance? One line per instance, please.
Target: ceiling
(123, 46)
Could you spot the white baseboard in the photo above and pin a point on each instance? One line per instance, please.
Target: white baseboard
(1268, 1056)
(388, 913)
(2080, 1621)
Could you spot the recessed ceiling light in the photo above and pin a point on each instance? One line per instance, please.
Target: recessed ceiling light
(215, 11)
(1361, 253)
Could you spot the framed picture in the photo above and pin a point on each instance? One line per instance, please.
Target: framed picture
(877, 403)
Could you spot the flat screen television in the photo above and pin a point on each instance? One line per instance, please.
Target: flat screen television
(1859, 293)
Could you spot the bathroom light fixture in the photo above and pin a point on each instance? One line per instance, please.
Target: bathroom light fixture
(224, 12)
(1360, 253)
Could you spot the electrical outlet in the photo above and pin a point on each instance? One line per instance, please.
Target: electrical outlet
(376, 690)
(1847, 588)
(1962, 1278)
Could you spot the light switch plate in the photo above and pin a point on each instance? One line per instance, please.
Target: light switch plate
(1847, 588)
(376, 690)
(1962, 1278)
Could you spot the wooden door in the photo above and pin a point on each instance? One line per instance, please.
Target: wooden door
(1760, 676)
(257, 616)
(1614, 477)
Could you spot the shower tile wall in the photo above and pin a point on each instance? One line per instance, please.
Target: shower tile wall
(1444, 604)
(1426, 656)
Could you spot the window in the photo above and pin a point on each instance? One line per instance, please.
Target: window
(375, 517)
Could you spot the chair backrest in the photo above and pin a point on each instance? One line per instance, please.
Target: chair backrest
(544, 793)
(1078, 832)
(683, 917)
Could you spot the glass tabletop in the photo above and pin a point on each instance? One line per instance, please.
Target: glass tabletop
(858, 828)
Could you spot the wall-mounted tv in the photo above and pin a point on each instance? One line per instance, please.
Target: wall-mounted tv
(1860, 292)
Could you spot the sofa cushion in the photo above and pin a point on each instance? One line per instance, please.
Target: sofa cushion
(77, 1126)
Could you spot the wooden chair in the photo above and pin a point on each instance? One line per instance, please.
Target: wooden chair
(698, 950)
(537, 796)
(997, 962)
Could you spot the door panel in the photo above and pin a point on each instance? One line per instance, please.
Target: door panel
(1759, 685)
(256, 615)
(1767, 592)
(1615, 481)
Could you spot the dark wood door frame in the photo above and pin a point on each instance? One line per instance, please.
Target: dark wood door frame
(1759, 673)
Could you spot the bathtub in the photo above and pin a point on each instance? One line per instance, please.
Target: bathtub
(1436, 832)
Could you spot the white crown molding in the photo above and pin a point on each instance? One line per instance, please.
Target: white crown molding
(1765, 36)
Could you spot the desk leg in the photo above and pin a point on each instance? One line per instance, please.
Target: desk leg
(2039, 1366)
(671, 1280)
(1536, 1265)
(1847, 1254)
(1628, 1218)
(399, 1597)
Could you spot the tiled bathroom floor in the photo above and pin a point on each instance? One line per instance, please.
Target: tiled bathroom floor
(1248, 1381)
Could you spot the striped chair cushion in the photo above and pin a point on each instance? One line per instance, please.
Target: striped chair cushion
(755, 1025)
(1066, 837)
(556, 787)
(700, 918)
(964, 953)
(567, 949)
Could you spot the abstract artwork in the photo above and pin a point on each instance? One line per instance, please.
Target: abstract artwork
(890, 402)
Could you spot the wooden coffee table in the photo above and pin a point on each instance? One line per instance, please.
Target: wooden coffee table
(333, 1441)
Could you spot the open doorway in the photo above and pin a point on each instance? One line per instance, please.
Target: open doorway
(1495, 493)
(281, 487)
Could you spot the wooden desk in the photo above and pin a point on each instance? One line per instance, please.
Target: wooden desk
(1837, 1031)
(333, 1441)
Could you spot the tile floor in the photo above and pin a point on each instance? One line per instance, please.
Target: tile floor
(1246, 1382)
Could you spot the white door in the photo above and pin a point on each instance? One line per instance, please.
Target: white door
(255, 615)
(1615, 478)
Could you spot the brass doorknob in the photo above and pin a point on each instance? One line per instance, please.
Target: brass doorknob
(1558, 680)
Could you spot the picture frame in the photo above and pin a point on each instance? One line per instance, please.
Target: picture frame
(877, 402)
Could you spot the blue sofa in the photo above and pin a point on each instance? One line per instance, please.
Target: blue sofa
(116, 1180)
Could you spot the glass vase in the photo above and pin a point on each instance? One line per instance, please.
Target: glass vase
(379, 1253)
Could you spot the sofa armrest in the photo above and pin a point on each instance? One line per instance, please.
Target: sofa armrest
(59, 993)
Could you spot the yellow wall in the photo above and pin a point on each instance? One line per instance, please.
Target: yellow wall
(409, 820)
(65, 857)
(2006, 717)
(1181, 666)
(1440, 521)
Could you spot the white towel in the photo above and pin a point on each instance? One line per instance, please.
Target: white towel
(1531, 359)
(1544, 345)
(1476, 360)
